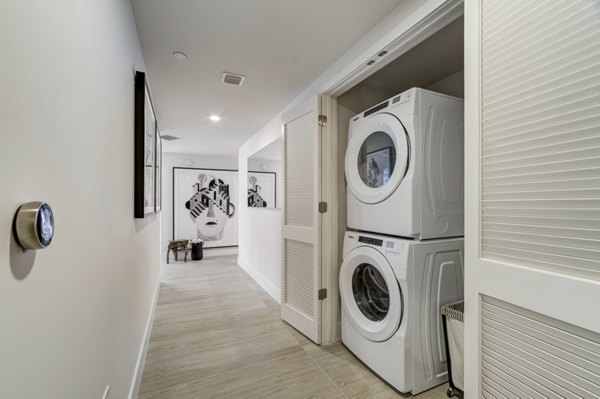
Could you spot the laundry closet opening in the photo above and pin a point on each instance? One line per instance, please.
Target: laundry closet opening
(400, 152)
(435, 64)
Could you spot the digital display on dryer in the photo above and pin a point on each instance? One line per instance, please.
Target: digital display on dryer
(370, 241)
(375, 109)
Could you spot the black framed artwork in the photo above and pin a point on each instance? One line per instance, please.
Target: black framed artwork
(262, 189)
(204, 206)
(146, 150)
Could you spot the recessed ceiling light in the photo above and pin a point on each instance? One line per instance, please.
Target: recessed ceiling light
(215, 118)
(179, 56)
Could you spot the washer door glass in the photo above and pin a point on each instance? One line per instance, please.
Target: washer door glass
(377, 158)
(371, 295)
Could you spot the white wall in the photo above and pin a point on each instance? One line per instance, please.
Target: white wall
(72, 316)
(259, 229)
(453, 85)
(267, 271)
(171, 160)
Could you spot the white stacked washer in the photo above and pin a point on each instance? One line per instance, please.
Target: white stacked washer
(404, 167)
(404, 173)
(392, 290)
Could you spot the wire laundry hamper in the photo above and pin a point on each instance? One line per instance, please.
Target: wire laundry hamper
(454, 326)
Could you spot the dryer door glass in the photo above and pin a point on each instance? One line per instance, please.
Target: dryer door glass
(370, 292)
(376, 159)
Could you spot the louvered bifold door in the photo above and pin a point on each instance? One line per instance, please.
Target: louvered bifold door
(540, 158)
(301, 274)
(532, 198)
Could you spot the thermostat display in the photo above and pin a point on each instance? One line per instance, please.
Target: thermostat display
(34, 225)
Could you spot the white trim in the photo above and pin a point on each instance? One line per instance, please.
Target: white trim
(268, 286)
(330, 306)
(212, 252)
(139, 367)
(472, 189)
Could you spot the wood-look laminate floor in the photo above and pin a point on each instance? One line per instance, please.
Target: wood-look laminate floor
(217, 334)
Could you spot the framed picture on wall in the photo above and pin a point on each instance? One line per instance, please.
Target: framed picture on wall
(204, 206)
(145, 131)
(262, 189)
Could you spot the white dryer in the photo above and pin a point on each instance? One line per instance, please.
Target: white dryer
(392, 290)
(404, 167)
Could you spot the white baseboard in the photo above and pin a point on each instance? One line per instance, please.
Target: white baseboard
(271, 289)
(139, 367)
(210, 252)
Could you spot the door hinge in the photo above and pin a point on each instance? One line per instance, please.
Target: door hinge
(322, 294)
(322, 207)
(322, 120)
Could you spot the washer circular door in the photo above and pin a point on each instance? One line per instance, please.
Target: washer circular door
(377, 158)
(371, 296)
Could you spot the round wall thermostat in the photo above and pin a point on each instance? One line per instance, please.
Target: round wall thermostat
(34, 225)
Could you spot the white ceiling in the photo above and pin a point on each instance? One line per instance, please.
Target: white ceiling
(281, 45)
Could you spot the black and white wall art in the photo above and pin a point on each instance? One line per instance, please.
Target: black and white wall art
(262, 190)
(204, 206)
(146, 151)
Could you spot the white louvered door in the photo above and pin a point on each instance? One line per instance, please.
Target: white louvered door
(301, 274)
(532, 199)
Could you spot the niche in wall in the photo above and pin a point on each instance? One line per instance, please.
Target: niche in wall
(264, 177)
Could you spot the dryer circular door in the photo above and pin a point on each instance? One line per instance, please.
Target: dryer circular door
(377, 158)
(371, 295)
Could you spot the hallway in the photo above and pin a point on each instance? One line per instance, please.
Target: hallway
(217, 334)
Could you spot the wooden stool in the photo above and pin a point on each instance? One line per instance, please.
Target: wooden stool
(175, 246)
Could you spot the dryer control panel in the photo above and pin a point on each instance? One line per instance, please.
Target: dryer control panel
(370, 241)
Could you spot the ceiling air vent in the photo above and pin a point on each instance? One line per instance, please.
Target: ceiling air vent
(167, 137)
(232, 78)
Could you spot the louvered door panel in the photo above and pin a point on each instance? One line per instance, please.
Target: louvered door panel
(528, 355)
(540, 135)
(299, 279)
(299, 174)
(301, 230)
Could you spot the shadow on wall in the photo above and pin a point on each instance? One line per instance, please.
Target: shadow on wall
(141, 224)
(21, 260)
